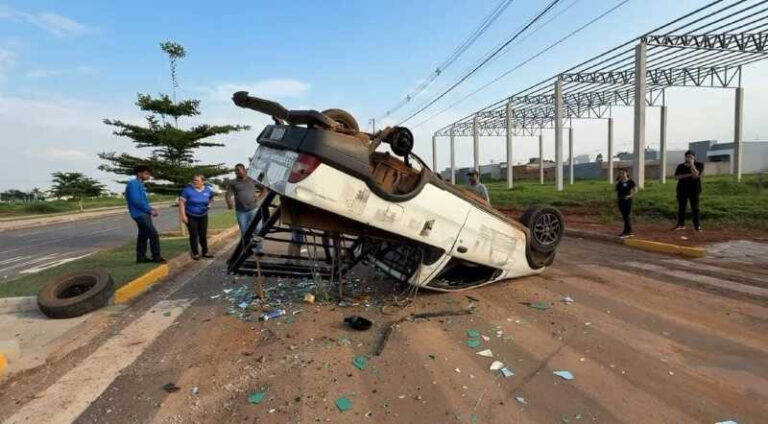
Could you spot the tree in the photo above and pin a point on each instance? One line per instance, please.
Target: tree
(599, 158)
(75, 185)
(172, 156)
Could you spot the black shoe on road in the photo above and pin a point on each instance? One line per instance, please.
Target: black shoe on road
(159, 260)
(195, 257)
(207, 255)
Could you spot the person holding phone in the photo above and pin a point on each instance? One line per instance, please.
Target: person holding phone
(688, 175)
(625, 188)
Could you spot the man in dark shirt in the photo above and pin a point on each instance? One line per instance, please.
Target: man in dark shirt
(688, 175)
(624, 189)
(245, 193)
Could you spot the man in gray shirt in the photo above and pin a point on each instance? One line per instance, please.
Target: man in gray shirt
(246, 193)
(478, 187)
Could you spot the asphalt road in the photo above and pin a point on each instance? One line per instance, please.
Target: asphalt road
(648, 338)
(35, 249)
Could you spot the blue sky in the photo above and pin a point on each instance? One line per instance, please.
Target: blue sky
(64, 66)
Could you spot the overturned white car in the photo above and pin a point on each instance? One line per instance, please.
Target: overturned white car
(336, 200)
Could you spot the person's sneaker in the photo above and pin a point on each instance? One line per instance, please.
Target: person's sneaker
(626, 235)
(158, 260)
(678, 228)
(698, 229)
(207, 255)
(143, 260)
(195, 257)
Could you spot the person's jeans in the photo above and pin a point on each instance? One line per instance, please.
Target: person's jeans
(625, 206)
(198, 233)
(244, 219)
(147, 232)
(683, 199)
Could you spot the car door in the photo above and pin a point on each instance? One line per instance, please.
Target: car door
(487, 240)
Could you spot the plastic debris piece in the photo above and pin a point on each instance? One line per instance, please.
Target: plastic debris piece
(542, 306)
(216, 296)
(276, 313)
(195, 390)
(255, 398)
(473, 343)
(458, 370)
(486, 338)
(343, 404)
(565, 375)
(496, 365)
(171, 388)
(567, 299)
(473, 334)
(486, 353)
(309, 298)
(506, 372)
(360, 362)
(521, 400)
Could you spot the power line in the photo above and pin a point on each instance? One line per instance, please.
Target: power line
(484, 61)
(526, 61)
(460, 49)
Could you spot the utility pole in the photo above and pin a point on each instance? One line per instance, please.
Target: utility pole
(372, 121)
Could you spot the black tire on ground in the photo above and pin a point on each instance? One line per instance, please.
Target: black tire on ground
(342, 117)
(76, 294)
(547, 226)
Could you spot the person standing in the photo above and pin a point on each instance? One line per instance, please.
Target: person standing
(142, 213)
(194, 202)
(625, 187)
(688, 175)
(478, 187)
(245, 192)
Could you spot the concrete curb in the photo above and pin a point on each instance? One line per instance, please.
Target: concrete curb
(43, 220)
(18, 304)
(137, 287)
(648, 245)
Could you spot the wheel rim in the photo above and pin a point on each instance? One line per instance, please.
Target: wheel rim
(546, 229)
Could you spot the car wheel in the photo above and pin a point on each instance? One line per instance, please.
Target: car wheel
(76, 294)
(546, 225)
(342, 117)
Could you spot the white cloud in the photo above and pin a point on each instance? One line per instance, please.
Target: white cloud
(58, 25)
(268, 89)
(57, 154)
(48, 73)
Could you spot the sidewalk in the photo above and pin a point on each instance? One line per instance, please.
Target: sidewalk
(29, 339)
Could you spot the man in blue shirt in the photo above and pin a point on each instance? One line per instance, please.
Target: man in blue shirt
(142, 213)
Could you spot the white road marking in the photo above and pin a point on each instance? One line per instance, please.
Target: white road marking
(705, 267)
(702, 279)
(31, 261)
(53, 264)
(13, 259)
(65, 400)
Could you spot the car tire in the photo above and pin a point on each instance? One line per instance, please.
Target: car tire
(342, 117)
(76, 294)
(546, 225)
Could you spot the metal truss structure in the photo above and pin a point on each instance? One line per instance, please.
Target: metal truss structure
(708, 47)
